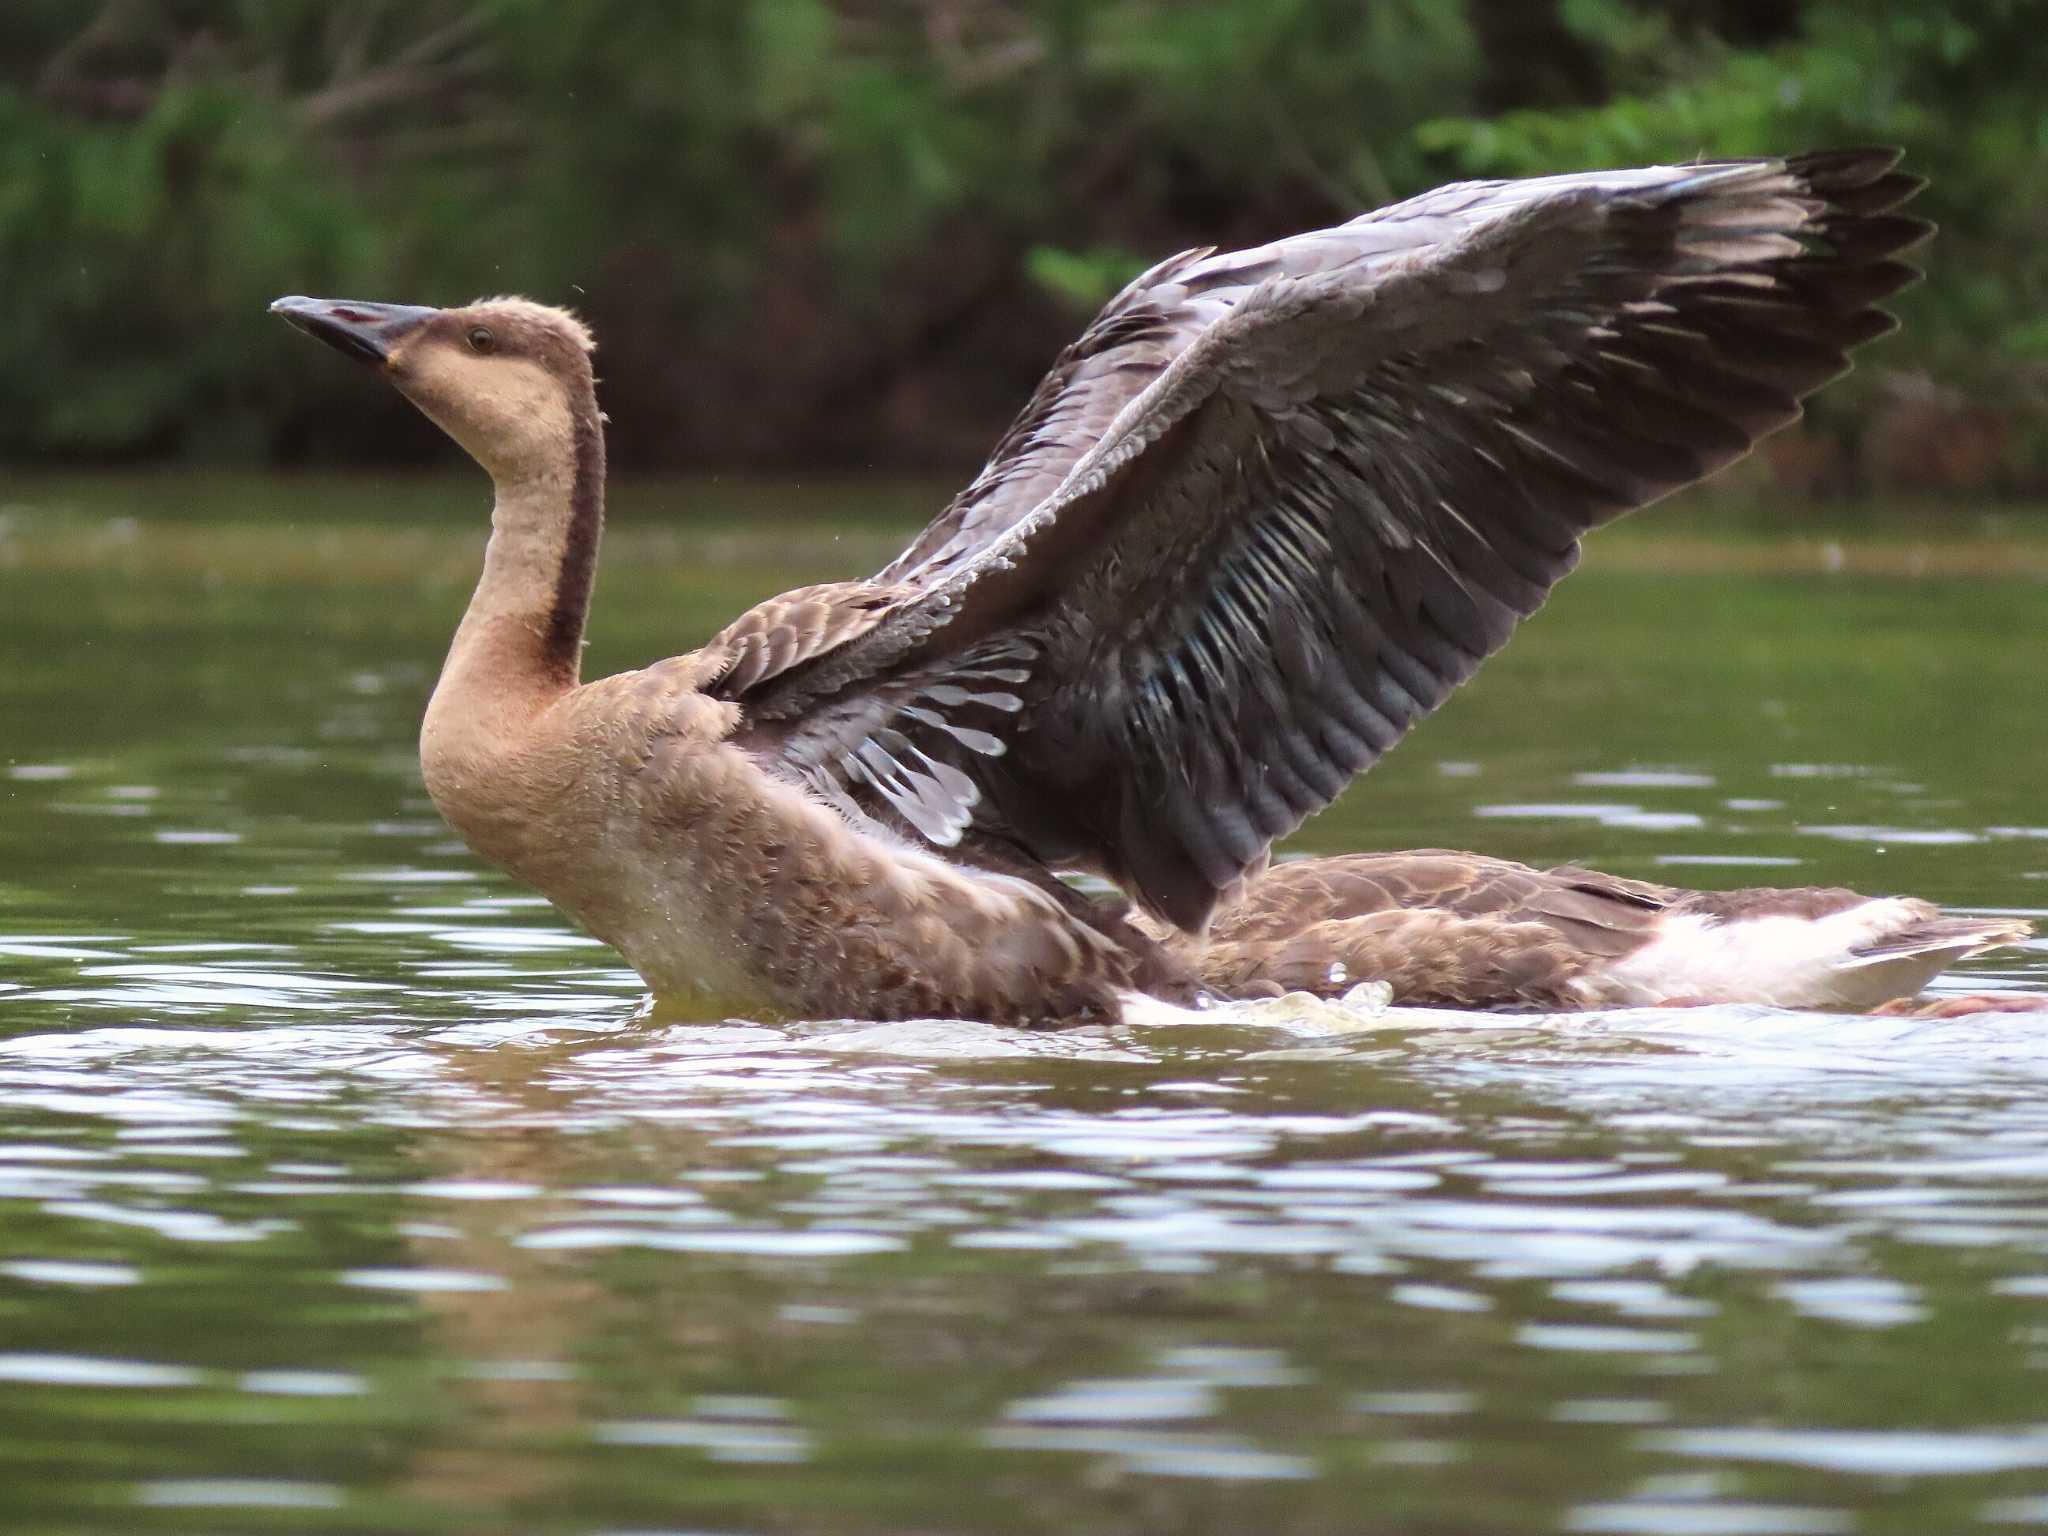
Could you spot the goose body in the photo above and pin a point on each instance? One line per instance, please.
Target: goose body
(1268, 511)
(1463, 930)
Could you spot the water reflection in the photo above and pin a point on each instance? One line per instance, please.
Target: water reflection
(344, 1189)
(1151, 1260)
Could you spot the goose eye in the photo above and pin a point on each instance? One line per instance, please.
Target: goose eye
(481, 339)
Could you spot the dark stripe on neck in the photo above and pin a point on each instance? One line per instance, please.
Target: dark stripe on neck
(562, 649)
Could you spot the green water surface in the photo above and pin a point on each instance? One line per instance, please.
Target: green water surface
(343, 1188)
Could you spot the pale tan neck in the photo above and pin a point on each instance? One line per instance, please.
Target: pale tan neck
(523, 632)
(501, 647)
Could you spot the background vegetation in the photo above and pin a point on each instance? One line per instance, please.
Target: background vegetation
(851, 232)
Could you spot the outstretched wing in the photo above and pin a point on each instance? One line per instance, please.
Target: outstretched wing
(1123, 351)
(1276, 505)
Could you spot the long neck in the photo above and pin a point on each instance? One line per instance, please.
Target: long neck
(523, 632)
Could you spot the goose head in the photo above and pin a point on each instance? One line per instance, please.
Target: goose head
(508, 379)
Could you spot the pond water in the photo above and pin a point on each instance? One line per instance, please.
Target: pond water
(342, 1188)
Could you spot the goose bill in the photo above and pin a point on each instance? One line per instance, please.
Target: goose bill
(364, 331)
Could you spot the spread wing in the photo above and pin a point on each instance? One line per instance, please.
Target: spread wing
(1275, 505)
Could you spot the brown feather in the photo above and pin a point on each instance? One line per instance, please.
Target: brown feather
(1463, 930)
(1274, 505)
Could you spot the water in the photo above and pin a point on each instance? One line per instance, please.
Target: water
(343, 1189)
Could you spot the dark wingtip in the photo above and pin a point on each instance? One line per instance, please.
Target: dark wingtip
(1863, 239)
(1829, 171)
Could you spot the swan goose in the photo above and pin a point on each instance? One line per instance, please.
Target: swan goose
(1265, 514)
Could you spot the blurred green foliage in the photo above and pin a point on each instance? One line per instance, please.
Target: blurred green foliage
(854, 231)
(1962, 84)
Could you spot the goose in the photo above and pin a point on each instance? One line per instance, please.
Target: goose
(1268, 511)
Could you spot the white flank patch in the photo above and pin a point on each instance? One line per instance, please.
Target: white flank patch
(1791, 962)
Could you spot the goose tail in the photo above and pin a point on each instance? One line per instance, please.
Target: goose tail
(1856, 957)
